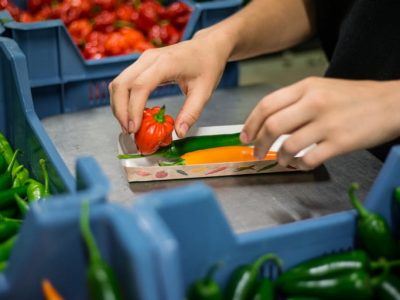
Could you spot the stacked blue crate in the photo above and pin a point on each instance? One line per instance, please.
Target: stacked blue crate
(49, 243)
(21, 126)
(50, 246)
(189, 232)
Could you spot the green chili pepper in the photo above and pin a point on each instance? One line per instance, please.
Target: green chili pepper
(20, 175)
(181, 146)
(7, 197)
(8, 212)
(42, 163)
(6, 178)
(35, 191)
(23, 206)
(7, 151)
(264, 290)
(244, 278)
(373, 231)
(6, 248)
(3, 164)
(353, 285)
(101, 279)
(206, 288)
(389, 288)
(5, 148)
(8, 227)
(332, 265)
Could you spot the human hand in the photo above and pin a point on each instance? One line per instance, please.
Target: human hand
(195, 65)
(339, 116)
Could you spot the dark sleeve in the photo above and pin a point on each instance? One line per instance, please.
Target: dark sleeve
(361, 39)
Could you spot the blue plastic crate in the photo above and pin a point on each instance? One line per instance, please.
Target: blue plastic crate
(23, 129)
(50, 246)
(63, 81)
(188, 232)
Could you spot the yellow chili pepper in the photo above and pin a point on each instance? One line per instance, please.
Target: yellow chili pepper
(223, 154)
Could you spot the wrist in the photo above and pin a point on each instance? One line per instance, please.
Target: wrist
(221, 38)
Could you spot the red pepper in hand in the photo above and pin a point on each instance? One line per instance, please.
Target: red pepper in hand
(155, 131)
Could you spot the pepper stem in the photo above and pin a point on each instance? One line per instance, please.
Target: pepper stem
(177, 162)
(211, 271)
(262, 260)
(17, 170)
(378, 279)
(94, 252)
(12, 162)
(362, 211)
(45, 175)
(394, 263)
(159, 117)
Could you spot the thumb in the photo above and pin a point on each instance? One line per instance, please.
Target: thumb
(191, 110)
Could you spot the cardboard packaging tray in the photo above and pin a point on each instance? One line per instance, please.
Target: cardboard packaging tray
(148, 169)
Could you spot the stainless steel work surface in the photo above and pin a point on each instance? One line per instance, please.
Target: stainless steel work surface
(250, 202)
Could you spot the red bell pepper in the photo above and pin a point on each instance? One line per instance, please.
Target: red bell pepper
(155, 130)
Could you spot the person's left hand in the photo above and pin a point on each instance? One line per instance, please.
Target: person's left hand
(338, 116)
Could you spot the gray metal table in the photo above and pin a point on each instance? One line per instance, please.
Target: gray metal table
(249, 202)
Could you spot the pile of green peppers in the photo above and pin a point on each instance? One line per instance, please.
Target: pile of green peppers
(17, 191)
(369, 271)
(245, 282)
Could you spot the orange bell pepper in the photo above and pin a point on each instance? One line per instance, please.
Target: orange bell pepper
(223, 154)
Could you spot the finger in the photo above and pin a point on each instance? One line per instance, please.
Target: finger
(141, 88)
(299, 140)
(197, 97)
(285, 121)
(120, 86)
(268, 106)
(119, 105)
(317, 155)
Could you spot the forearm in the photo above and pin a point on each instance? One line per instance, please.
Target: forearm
(392, 107)
(263, 26)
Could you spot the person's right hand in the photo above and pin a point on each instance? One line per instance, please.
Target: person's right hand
(195, 65)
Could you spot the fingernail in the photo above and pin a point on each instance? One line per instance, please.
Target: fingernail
(244, 138)
(183, 128)
(131, 126)
(124, 129)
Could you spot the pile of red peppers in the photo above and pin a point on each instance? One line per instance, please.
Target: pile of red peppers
(102, 28)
